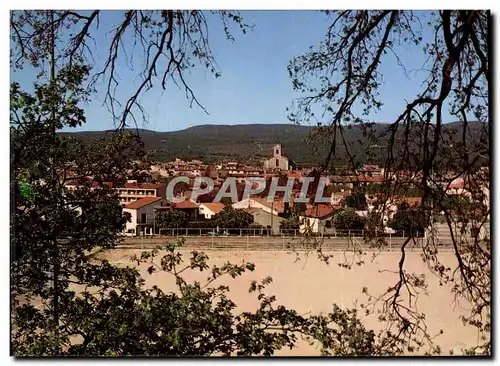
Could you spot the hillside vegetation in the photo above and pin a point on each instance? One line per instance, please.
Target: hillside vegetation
(252, 143)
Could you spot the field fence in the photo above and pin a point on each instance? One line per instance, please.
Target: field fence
(249, 243)
(266, 232)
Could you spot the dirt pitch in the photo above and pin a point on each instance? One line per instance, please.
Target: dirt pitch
(309, 285)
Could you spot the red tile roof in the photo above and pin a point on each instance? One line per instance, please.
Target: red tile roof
(411, 201)
(294, 174)
(371, 166)
(278, 204)
(142, 202)
(215, 207)
(185, 205)
(322, 210)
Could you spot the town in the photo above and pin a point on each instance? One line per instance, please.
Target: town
(189, 182)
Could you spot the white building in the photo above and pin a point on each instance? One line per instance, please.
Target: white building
(266, 219)
(142, 216)
(318, 219)
(268, 207)
(210, 209)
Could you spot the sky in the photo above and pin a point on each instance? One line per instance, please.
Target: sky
(254, 87)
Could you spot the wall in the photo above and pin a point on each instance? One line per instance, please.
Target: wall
(317, 226)
(282, 163)
(136, 217)
(133, 222)
(149, 211)
(309, 223)
(206, 212)
(250, 203)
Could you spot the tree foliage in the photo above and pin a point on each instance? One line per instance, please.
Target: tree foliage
(172, 41)
(348, 219)
(356, 200)
(53, 228)
(410, 219)
(290, 223)
(171, 218)
(341, 79)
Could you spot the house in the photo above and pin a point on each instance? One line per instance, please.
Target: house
(142, 212)
(485, 189)
(209, 209)
(457, 187)
(211, 172)
(339, 181)
(278, 161)
(266, 219)
(295, 174)
(318, 219)
(277, 207)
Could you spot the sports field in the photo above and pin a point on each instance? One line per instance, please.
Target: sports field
(310, 285)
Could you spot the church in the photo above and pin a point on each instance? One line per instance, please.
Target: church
(278, 161)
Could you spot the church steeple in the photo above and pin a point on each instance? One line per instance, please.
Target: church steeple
(278, 150)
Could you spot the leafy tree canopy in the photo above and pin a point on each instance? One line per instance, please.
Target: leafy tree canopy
(171, 218)
(409, 219)
(348, 219)
(231, 217)
(357, 201)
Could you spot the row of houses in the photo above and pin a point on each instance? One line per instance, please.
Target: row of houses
(196, 168)
(144, 211)
(144, 200)
(277, 163)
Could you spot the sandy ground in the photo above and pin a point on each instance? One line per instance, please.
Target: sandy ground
(309, 285)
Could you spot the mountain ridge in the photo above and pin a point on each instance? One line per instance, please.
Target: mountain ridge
(246, 142)
(237, 126)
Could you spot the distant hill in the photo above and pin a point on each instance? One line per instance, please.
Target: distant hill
(253, 142)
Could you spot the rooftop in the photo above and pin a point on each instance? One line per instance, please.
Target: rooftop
(276, 205)
(185, 205)
(215, 207)
(322, 210)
